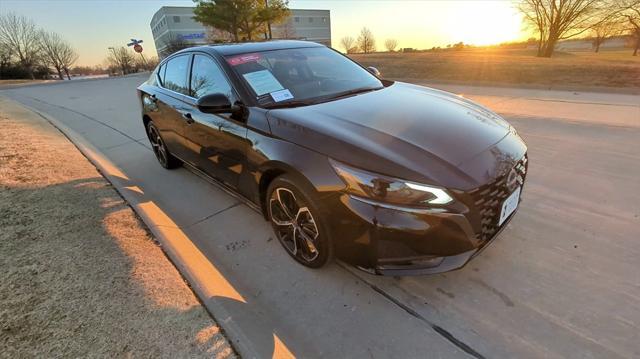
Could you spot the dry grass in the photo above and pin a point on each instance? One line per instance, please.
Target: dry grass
(576, 70)
(80, 274)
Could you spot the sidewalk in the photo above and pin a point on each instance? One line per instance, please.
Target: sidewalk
(81, 273)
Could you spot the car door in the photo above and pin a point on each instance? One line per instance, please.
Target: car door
(216, 142)
(171, 100)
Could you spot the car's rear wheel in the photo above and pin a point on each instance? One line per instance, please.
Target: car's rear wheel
(165, 158)
(297, 222)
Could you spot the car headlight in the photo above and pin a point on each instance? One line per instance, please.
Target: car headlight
(390, 190)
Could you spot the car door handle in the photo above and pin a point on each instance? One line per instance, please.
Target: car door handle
(187, 117)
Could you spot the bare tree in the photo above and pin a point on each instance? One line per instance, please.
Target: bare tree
(630, 12)
(121, 58)
(556, 20)
(5, 56)
(602, 30)
(57, 53)
(68, 57)
(50, 42)
(20, 35)
(347, 43)
(366, 41)
(391, 44)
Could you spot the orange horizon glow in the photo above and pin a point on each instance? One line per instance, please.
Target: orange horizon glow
(417, 24)
(427, 24)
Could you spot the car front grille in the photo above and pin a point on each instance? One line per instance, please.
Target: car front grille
(488, 200)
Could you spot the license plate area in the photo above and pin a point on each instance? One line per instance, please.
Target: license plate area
(509, 206)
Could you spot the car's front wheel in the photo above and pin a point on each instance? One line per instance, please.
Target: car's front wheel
(166, 159)
(297, 222)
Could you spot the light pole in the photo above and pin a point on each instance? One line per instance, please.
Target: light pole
(115, 59)
(266, 4)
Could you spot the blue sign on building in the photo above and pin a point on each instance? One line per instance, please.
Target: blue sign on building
(192, 36)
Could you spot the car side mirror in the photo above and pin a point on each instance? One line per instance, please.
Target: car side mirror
(374, 71)
(214, 103)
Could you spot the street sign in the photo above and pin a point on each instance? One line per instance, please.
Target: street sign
(134, 42)
(137, 48)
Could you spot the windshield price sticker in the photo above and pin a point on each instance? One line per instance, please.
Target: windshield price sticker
(243, 59)
(263, 82)
(281, 95)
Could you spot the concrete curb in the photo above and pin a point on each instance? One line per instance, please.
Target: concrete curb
(236, 336)
(63, 82)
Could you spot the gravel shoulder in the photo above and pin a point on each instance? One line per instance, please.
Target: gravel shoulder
(81, 275)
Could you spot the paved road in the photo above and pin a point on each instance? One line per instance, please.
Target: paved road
(562, 281)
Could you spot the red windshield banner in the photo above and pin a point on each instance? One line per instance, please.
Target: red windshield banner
(243, 59)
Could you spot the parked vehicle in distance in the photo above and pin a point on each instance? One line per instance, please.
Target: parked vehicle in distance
(394, 178)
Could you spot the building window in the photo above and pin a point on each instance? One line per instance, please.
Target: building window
(324, 19)
(176, 19)
(297, 19)
(310, 19)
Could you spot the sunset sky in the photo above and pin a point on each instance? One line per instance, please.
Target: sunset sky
(91, 26)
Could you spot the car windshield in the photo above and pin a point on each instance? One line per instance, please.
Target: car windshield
(301, 76)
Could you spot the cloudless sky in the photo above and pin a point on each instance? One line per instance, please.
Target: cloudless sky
(91, 26)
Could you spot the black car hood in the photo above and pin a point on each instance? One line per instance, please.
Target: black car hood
(403, 130)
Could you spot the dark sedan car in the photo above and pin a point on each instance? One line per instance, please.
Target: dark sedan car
(391, 177)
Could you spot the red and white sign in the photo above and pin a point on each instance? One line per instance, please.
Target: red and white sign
(137, 48)
(243, 59)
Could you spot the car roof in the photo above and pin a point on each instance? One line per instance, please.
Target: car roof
(247, 47)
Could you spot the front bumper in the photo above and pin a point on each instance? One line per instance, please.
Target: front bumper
(399, 242)
(389, 240)
(447, 264)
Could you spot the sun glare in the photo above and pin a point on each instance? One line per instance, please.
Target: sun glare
(485, 23)
(426, 24)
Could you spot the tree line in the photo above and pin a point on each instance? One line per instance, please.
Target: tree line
(27, 51)
(122, 60)
(552, 21)
(365, 43)
(557, 20)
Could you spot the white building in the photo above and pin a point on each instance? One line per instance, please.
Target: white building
(176, 23)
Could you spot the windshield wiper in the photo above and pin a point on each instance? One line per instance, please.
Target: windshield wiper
(289, 104)
(353, 92)
(298, 103)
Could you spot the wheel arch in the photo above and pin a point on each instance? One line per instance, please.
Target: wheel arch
(270, 171)
(145, 120)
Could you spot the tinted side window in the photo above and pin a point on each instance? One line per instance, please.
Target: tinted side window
(207, 78)
(175, 77)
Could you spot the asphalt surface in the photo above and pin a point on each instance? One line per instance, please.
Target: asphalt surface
(561, 281)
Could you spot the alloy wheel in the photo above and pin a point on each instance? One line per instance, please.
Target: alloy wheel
(294, 224)
(158, 146)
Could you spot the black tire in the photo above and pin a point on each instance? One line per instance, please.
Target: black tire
(298, 237)
(164, 157)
